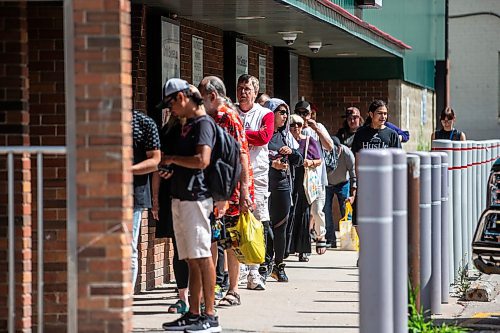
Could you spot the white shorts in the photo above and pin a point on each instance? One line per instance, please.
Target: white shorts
(262, 194)
(192, 228)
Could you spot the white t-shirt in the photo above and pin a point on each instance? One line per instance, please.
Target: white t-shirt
(309, 131)
(259, 155)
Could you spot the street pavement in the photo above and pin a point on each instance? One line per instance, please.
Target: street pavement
(322, 296)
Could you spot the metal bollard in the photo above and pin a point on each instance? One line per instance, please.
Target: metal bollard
(446, 146)
(375, 227)
(436, 232)
(468, 195)
(457, 207)
(475, 186)
(484, 172)
(400, 240)
(425, 230)
(413, 163)
(464, 255)
(445, 232)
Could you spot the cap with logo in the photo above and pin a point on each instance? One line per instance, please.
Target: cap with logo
(172, 86)
(303, 105)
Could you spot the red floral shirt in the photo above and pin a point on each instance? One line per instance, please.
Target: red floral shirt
(228, 118)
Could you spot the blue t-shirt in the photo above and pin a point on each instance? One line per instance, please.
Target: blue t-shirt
(189, 184)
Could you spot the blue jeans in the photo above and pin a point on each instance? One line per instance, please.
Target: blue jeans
(136, 228)
(342, 192)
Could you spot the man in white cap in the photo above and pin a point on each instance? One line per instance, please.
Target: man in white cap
(192, 203)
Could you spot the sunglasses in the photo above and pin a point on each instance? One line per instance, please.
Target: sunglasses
(447, 119)
(296, 125)
(303, 113)
(282, 112)
(167, 102)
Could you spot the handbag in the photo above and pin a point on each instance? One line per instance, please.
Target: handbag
(311, 179)
(247, 238)
(349, 240)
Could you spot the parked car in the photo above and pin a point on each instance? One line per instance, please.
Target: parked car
(486, 241)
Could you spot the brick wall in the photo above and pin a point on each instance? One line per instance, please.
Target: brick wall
(139, 57)
(332, 97)
(47, 128)
(14, 120)
(254, 49)
(103, 86)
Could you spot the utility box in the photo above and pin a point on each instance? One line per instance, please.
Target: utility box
(369, 4)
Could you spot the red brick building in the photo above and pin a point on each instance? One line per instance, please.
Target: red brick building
(70, 73)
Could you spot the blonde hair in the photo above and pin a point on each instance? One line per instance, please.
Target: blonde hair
(295, 118)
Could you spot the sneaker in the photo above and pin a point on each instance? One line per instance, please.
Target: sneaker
(243, 274)
(279, 274)
(255, 282)
(219, 293)
(208, 324)
(184, 322)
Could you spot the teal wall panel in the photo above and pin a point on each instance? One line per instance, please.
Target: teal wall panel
(341, 69)
(418, 23)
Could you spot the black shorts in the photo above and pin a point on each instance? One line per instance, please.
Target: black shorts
(229, 222)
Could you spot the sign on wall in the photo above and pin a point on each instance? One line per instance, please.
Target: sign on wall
(197, 60)
(262, 73)
(170, 50)
(241, 59)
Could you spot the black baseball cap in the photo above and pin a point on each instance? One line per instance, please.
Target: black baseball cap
(303, 105)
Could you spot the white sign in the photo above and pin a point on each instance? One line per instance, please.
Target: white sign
(197, 60)
(423, 107)
(170, 51)
(241, 59)
(262, 73)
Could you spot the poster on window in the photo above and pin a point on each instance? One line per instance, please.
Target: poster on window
(262, 73)
(197, 60)
(170, 50)
(241, 59)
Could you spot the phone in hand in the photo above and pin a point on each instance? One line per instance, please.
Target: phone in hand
(166, 168)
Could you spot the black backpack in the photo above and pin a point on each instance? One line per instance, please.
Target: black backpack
(223, 173)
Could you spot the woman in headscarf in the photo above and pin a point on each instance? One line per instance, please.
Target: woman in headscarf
(283, 158)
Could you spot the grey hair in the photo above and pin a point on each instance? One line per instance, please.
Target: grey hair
(213, 84)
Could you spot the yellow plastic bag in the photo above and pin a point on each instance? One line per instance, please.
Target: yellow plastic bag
(247, 238)
(349, 240)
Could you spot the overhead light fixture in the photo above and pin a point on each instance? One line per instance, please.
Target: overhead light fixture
(346, 54)
(250, 17)
(289, 36)
(314, 46)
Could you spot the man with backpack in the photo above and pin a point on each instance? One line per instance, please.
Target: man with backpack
(225, 115)
(192, 202)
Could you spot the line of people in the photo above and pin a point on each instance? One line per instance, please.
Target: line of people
(279, 153)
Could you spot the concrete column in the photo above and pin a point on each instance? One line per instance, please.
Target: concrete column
(470, 199)
(376, 252)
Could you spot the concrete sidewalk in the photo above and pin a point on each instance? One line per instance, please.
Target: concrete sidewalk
(322, 296)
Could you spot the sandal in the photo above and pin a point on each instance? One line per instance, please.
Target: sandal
(179, 307)
(320, 247)
(303, 257)
(231, 299)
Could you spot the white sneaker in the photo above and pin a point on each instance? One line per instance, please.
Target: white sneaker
(243, 274)
(255, 282)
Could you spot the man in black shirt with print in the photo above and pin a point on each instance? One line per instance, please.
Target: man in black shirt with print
(192, 202)
(146, 143)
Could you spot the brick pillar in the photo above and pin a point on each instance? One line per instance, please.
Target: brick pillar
(104, 157)
(14, 120)
(47, 128)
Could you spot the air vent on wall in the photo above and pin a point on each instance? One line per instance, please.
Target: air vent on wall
(369, 4)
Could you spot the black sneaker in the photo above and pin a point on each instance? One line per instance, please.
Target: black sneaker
(279, 274)
(206, 324)
(186, 321)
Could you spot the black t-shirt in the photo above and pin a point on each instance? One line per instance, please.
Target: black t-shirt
(145, 138)
(189, 184)
(278, 179)
(367, 137)
(453, 135)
